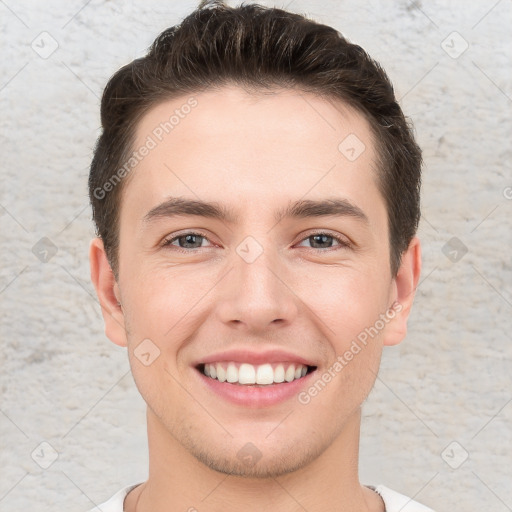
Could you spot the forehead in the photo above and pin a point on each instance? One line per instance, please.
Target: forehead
(233, 112)
(228, 144)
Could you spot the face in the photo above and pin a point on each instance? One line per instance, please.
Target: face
(268, 275)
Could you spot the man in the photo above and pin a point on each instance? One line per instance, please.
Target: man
(256, 196)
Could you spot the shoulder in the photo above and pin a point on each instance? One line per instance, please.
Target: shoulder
(396, 502)
(116, 502)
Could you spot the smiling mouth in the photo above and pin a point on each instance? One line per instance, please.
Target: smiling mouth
(245, 374)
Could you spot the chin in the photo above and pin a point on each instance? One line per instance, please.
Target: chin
(249, 462)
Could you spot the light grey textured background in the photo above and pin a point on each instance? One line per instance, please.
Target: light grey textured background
(64, 383)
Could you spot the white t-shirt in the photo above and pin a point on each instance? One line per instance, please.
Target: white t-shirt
(393, 501)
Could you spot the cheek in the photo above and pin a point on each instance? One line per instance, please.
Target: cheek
(163, 310)
(159, 386)
(161, 296)
(348, 301)
(350, 305)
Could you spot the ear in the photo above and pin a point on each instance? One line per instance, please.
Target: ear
(405, 284)
(108, 293)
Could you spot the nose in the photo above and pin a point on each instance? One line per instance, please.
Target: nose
(257, 293)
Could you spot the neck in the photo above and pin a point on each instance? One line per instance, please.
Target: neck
(329, 483)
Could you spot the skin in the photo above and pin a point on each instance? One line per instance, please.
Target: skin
(253, 153)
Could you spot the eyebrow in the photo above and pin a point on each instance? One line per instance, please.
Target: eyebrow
(303, 208)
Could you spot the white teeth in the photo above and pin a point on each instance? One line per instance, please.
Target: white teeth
(265, 374)
(279, 373)
(290, 373)
(247, 374)
(221, 373)
(232, 373)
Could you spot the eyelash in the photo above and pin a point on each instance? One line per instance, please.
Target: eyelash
(343, 244)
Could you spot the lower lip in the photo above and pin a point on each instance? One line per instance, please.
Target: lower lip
(256, 396)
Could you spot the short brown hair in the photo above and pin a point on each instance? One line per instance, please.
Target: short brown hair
(257, 48)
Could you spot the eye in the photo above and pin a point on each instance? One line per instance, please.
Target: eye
(324, 240)
(189, 240)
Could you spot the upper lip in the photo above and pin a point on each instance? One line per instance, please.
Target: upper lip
(255, 357)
